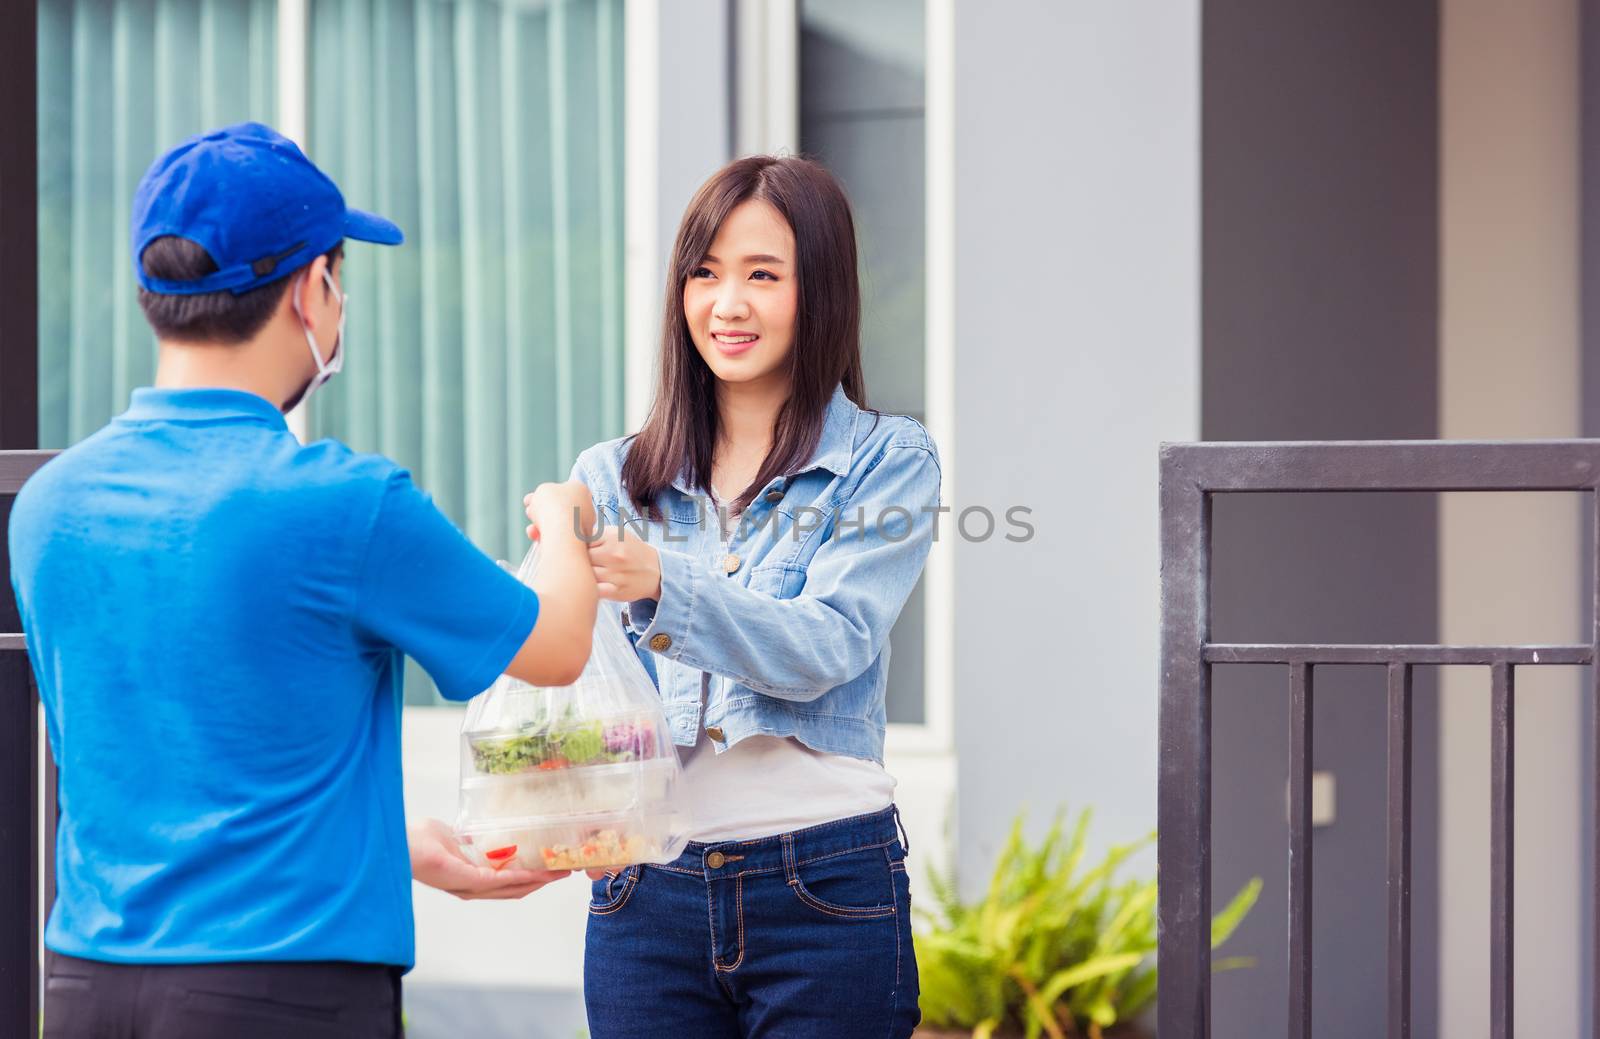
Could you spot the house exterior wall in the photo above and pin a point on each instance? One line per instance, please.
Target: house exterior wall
(1077, 209)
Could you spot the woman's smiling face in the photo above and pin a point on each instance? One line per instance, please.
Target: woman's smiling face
(741, 301)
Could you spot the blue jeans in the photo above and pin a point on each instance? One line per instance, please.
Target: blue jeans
(807, 934)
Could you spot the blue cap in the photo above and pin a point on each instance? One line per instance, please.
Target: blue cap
(251, 199)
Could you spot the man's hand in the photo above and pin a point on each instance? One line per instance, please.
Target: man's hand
(560, 507)
(438, 861)
(626, 567)
(557, 649)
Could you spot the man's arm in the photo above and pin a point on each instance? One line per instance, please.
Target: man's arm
(557, 648)
(431, 593)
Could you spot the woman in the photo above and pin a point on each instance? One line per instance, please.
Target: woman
(786, 527)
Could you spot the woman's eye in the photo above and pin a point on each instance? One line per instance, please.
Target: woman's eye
(765, 275)
(700, 272)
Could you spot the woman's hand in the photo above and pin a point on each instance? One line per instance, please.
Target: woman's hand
(626, 567)
(438, 861)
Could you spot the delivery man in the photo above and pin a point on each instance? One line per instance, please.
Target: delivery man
(217, 618)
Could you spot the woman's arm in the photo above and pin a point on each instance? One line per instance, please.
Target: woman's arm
(855, 587)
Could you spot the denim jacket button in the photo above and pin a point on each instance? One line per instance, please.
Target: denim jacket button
(730, 563)
(775, 495)
(661, 643)
(714, 732)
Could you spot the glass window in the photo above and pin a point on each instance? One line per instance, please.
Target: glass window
(487, 351)
(862, 113)
(120, 82)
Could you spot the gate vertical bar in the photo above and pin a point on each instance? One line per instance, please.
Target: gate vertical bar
(1300, 748)
(1594, 764)
(19, 878)
(1502, 726)
(1399, 797)
(19, 790)
(1183, 849)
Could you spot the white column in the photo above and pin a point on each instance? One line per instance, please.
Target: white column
(293, 73)
(641, 248)
(767, 77)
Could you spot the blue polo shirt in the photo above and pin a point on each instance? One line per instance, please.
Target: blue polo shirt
(217, 617)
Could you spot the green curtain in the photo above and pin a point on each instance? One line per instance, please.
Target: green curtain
(119, 82)
(486, 352)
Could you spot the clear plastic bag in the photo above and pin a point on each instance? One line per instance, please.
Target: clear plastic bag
(571, 777)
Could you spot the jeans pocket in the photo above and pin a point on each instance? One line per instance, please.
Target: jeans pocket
(230, 1005)
(610, 893)
(65, 983)
(857, 885)
(69, 1008)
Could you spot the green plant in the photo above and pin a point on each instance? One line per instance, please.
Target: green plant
(1048, 949)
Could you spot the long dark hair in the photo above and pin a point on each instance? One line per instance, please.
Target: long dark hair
(680, 433)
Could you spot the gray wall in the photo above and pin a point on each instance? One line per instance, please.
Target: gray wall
(1320, 292)
(862, 85)
(1077, 352)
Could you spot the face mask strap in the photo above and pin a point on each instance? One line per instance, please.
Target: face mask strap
(325, 370)
(336, 363)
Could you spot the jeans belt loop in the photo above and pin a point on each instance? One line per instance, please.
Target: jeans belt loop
(791, 870)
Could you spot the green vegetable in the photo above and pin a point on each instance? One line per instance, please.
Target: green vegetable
(511, 754)
(583, 746)
(505, 755)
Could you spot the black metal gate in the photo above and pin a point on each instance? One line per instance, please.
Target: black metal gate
(1190, 475)
(23, 775)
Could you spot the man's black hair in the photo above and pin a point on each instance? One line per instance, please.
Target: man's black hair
(220, 317)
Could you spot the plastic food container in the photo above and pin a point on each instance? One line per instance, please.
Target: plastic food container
(578, 842)
(571, 777)
(582, 790)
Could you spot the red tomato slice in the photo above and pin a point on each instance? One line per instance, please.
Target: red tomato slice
(499, 857)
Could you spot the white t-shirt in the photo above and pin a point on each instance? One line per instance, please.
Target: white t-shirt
(766, 785)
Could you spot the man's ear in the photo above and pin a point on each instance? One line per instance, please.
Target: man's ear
(303, 284)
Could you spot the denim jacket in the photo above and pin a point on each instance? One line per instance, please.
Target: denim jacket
(782, 628)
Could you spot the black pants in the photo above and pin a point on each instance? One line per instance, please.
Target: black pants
(86, 999)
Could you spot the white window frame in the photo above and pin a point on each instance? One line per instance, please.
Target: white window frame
(767, 77)
(641, 205)
(940, 368)
(294, 27)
